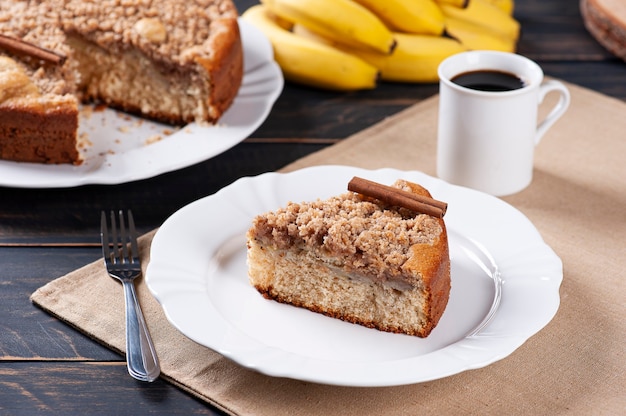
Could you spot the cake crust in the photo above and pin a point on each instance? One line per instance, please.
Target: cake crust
(225, 67)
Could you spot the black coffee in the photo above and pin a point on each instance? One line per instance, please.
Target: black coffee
(487, 80)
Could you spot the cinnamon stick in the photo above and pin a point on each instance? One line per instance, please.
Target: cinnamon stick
(20, 47)
(398, 197)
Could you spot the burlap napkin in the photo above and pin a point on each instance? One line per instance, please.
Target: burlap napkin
(576, 365)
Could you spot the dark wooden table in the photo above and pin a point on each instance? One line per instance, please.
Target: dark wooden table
(48, 367)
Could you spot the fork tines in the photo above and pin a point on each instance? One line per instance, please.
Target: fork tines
(120, 246)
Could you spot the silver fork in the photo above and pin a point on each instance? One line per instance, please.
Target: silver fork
(121, 257)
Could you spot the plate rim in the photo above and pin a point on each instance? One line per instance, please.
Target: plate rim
(477, 344)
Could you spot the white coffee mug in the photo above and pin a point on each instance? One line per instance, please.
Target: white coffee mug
(486, 139)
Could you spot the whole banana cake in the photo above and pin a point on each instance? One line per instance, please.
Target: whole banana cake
(355, 258)
(175, 61)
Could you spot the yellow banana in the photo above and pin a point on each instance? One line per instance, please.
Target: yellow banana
(488, 16)
(411, 16)
(507, 6)
(456, 3)
(311, 63)
(475, 37)
(415, 59)
(307, 33)
(345, 21)
(284, 23)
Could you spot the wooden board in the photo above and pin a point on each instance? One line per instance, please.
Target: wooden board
(606, 21)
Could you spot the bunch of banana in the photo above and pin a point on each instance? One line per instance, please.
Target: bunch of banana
(414, 59)
(350, 44)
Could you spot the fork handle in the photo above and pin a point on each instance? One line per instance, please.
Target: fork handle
(141, 357)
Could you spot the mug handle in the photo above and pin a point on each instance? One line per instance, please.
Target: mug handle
(557, 111)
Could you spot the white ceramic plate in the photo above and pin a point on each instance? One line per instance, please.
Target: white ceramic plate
(125, 148)
(505, 286)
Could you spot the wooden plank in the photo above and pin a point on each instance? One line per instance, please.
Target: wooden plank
(305, 112)
(27, 332)
(89, 388)
(552, 39)
(543, 8)
(48, 366)
(604, 77)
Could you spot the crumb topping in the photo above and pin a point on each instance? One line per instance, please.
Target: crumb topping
(38, 23)
(33, 22)
(159, 28)
(359, 233)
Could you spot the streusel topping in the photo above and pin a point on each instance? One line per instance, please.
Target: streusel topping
(38, 23)
(364, 233)
(161, 29)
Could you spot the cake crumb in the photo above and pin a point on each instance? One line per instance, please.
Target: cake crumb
(83, 141)
(86, 111)
(153, 139)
